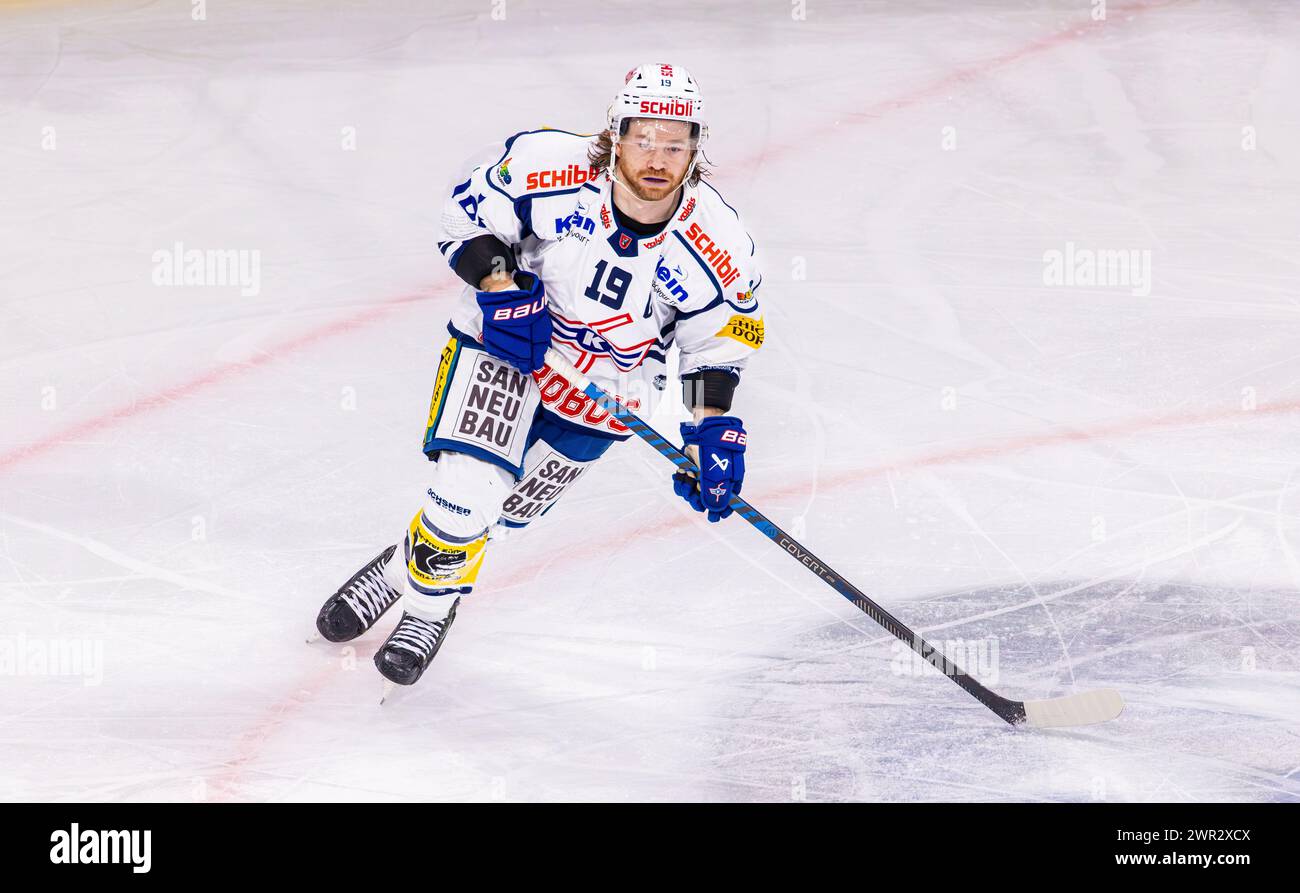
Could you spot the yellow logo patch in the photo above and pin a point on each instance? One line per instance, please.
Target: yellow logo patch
(745, 329)
(434, 564)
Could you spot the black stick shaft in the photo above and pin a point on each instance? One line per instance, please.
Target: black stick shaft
(1011, 711)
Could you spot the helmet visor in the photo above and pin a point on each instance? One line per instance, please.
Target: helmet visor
(664, 137)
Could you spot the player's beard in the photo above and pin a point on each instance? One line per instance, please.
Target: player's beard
(645, 191)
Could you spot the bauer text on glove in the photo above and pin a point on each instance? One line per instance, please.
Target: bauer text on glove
(516, 323)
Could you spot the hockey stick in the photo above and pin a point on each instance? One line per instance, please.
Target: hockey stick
(1078, 709)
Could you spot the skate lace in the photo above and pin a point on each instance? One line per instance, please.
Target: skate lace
(370, 595)
(417, 635)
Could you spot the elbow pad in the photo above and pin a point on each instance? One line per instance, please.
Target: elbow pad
(709, 387)
(482, 256)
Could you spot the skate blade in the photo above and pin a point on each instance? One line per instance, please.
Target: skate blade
(389, 688)
(314, 637)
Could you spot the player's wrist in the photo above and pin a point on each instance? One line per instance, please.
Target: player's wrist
(500, 281)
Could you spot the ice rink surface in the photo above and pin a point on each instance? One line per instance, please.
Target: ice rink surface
(1067, 485)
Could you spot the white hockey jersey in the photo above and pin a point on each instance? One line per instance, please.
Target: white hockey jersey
(618, 301)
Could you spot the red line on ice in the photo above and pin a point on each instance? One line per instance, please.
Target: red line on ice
(958, 77)
(216, 375)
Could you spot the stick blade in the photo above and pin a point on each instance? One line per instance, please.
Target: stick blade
(1082, 709)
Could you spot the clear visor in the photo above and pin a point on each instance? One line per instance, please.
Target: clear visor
(645, 136)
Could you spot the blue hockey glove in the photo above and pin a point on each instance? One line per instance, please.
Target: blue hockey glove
(516, 323)
(721, 444)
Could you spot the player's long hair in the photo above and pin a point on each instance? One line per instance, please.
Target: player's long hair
(599, 153)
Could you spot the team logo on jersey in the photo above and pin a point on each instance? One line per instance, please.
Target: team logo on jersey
(686, 211)
(715, 256)
(623, 244)
(656, 241)
(745, 329)
(577, 223)
(503, 172)
(671, 280)
(604, 217)
(573, 175)
(592, 341)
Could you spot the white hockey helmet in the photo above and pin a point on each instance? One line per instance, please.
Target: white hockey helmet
(659, 90)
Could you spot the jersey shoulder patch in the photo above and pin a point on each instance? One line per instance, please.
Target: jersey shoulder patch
(539, 162)
(719, 250)
(721, 221)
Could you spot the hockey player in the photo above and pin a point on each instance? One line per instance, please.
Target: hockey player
(610, 250)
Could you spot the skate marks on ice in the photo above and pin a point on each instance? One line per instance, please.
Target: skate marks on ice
(1209, 674)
